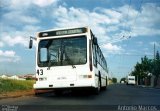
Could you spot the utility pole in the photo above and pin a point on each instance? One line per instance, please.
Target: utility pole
(154, 63)
(154, 52)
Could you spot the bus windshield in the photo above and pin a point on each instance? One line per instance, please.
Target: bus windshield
(62, 51)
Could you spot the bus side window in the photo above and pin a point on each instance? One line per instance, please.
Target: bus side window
(98, 54)
(94, 56)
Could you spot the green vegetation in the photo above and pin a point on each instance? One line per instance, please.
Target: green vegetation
(123, 79)
(146, 68)
(114, 80)
(7, 85)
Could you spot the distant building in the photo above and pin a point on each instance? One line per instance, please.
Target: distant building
(30, 76)
(4, 76)
(13, 77)
(16, 77)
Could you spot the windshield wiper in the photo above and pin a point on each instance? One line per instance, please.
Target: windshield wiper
(69, 60)
(49, 62)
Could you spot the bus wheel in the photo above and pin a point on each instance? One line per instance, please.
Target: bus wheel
(106, 83)
(36, 92)
(105, 87)
(97, 90)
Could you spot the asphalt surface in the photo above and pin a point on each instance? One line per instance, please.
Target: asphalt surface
(116, 97)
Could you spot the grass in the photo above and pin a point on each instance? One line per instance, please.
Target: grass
(8, 85)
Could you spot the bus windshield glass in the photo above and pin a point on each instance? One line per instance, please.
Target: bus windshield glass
(62, 51)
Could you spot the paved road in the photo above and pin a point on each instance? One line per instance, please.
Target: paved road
(115, 96)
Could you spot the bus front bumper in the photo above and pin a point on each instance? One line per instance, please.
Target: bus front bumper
(58, 85)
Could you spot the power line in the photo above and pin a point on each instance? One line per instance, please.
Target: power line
(136, 16)
(125, 27)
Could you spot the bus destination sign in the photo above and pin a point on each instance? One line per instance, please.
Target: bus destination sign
(63, 32)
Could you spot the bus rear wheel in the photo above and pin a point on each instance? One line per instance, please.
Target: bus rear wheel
(105, 87)
(97, 90)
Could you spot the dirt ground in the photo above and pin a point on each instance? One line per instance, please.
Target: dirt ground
(17, 94)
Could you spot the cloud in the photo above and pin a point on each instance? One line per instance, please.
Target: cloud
(8, 56)
(18, 4)
(7, 53)
(21, 38)
(139, 43)
(112, 23)
(1, 44)
(44, 3)
(144, 23)
(144, 31)
(150, 14)
(112, 28)
(18, 17)
(78, 16)
(127, 12)
(113, 15)
(107, 24)
(110, 48)
(12, 41)
(157, 44)
(98, 20)
(31, 29)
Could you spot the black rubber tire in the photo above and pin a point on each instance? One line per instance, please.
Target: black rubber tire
(105, 87)
(97, 90)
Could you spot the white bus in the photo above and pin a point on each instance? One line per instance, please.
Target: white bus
(69, 59)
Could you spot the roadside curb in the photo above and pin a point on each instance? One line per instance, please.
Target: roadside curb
(143, 86)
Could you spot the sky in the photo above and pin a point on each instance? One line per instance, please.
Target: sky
(126, 30)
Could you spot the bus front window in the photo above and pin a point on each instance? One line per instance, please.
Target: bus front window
(63, 51)
(43, 54)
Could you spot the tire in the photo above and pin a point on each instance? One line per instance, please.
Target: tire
(105, 87)
(97, 90)
(106, 83)
(36, 92)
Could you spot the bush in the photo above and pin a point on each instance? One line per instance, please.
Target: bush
(7, 85)
(114, 80)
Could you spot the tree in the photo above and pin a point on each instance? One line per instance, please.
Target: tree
(146, 66)
(157, 56)
(114, 80)
(123, 79)
(142, 69)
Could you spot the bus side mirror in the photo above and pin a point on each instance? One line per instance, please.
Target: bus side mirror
(30, 43)
(95, 41)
